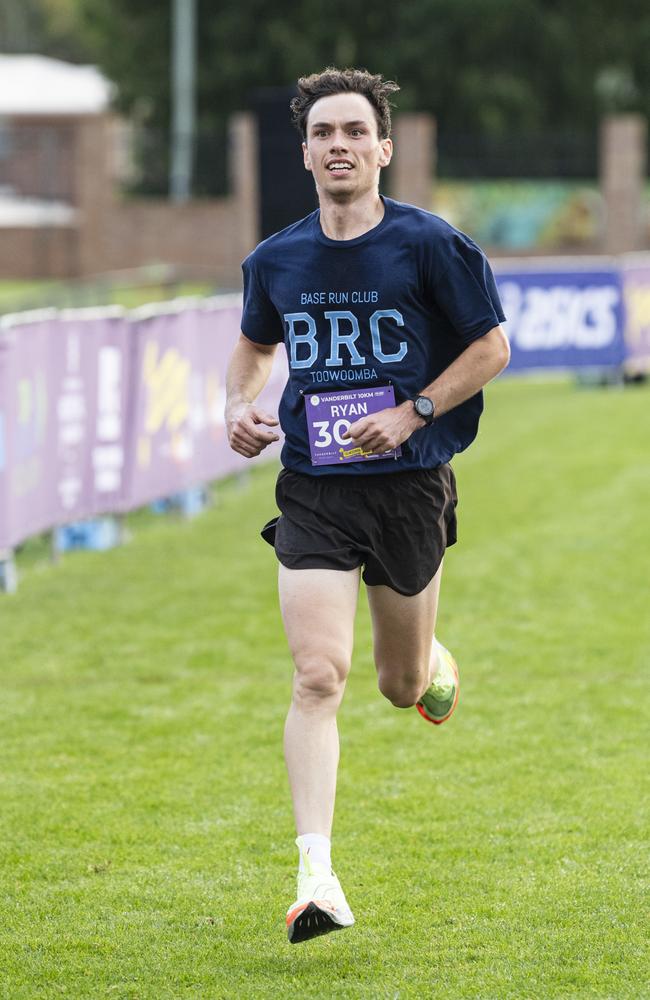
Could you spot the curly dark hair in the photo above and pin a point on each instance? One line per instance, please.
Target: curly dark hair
(343, 81)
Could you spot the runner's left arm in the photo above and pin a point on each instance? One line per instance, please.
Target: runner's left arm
(478, 364)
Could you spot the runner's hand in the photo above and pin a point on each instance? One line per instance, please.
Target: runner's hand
(385, 429)
(244, 424)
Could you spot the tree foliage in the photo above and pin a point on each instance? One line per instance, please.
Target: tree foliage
(49, 27)
(496, 66)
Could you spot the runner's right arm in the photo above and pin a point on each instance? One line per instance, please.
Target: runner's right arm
(248, 372)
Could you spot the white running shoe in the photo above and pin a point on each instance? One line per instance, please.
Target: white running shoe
(320, 907)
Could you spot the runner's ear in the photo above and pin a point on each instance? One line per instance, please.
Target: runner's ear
(386, 152)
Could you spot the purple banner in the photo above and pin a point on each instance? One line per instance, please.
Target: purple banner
(5, 347)
(91, 398)
(330, 414)
(563, 319)
(178, 434)
(636, 291)
(62, 409)
(102, 412)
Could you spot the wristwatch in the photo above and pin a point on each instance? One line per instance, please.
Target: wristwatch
(424, 407)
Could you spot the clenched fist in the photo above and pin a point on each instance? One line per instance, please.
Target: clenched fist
(245, 423)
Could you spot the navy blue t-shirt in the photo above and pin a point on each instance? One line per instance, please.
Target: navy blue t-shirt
(395, 305)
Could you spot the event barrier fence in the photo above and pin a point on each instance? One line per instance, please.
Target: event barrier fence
(103, 411)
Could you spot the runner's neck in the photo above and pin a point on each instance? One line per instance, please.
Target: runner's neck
(349, 221)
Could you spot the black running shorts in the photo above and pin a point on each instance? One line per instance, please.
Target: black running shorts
(396, 525)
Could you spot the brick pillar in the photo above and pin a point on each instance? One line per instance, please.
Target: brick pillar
(623, 140)
(244, 179)
(93, 190)
(412, 171)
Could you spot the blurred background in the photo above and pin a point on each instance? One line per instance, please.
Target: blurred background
(135, 135)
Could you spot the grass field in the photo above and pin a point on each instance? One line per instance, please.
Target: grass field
(16, 296)
(145, 830)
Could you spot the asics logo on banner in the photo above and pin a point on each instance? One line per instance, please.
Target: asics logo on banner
(556, 316)
(344, 331)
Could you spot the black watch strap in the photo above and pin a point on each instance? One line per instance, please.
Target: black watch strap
(424, 407)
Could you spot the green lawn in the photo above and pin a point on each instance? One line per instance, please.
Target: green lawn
(145, 829)
(17, 296)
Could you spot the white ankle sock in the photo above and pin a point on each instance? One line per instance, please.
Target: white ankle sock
(317, 847)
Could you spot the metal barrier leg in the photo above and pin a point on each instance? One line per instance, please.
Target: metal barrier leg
(8, 572)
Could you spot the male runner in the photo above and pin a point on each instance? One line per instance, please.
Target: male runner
(390, 318)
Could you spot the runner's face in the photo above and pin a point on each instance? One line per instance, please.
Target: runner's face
(342, 129)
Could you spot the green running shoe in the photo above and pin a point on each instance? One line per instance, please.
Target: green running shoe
(441, 697)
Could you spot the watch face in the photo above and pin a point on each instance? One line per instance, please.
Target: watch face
(424, 406)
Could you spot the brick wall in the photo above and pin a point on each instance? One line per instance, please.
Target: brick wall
(50, 252)
(210, 236)
(201, 236)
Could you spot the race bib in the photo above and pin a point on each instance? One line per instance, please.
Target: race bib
(329, 414)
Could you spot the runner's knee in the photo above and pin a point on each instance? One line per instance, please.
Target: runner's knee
(319, 678)
(401, 689)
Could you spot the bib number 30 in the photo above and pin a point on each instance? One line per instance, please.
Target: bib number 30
(324, 438)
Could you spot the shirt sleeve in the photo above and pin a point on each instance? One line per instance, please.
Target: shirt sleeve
(260, 320)
(466, 291)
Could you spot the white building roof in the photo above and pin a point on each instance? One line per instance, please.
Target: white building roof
(34, 213)
(38, 85)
